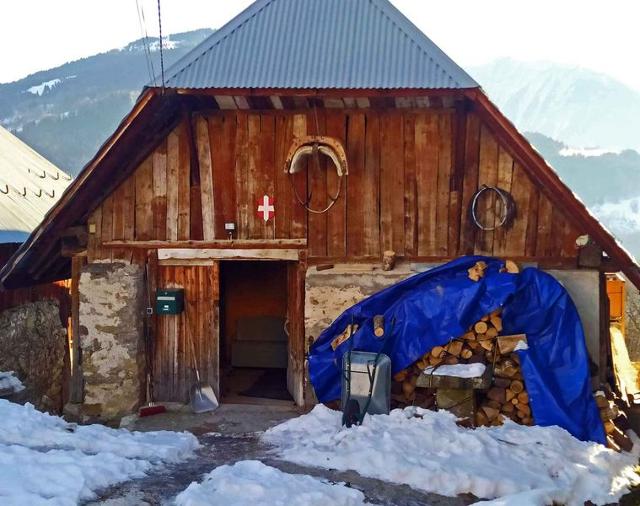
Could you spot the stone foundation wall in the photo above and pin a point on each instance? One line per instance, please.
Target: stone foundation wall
(33, 344)
(111, 339)
(330, 292)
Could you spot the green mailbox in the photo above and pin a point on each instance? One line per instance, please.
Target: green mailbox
(170, 301)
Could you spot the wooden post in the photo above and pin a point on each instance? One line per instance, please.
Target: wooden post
(296, 367)
(605, 338)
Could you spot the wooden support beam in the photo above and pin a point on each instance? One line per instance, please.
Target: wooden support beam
(221, 94)
(605, 372)
(194, 162)
(192, 254)
(45, 261)
(590, 254)
(71, 246)
(78, 232)
(206, 179)
(219, 244)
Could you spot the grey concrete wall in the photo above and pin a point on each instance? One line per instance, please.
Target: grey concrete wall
(584, 287)
(111, 338)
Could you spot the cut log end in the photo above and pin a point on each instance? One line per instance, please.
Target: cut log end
(480, 327)
(378, 325)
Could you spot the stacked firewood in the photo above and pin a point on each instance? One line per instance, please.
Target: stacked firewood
(614, 420)
(482, 343)
(404, 391)
(507, 397)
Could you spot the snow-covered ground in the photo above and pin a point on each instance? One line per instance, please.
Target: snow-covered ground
(251, 483)
(428, 451)
(8, 381)
(45, 460)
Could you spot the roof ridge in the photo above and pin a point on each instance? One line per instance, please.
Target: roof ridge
(419, 34)
(401, 29)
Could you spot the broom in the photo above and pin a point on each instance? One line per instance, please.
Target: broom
(151, 408)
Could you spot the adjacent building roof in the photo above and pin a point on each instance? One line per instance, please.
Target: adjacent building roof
(29, 186)
(347, 44)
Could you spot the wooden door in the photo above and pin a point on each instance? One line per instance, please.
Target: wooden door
(199, 322)
(295, 325)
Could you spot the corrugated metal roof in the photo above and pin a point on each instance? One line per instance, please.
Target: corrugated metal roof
(29, 186)
(322, 44)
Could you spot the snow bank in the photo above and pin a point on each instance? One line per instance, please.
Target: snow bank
(250, 483)
(45, 460)
(428, 451)
(9, 382)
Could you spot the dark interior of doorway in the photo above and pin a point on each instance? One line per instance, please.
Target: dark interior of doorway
(253, 341)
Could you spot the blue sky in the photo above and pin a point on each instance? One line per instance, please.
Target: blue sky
(601, 35)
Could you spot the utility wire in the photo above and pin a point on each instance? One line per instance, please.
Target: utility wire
(145, 42)
(161, 54)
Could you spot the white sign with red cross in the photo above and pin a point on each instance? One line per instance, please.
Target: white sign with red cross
(266, 208)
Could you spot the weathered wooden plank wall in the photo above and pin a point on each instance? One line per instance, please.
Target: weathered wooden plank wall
(173, 362)
(412, 176)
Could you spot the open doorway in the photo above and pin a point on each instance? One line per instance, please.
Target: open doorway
(253, 337)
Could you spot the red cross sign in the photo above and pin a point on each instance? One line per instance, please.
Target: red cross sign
(266, 208)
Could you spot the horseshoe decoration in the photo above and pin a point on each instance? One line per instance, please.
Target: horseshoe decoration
(314, 146)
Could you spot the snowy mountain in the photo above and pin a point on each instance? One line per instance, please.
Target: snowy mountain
(65, 113)
(609, 183)
(581, 107)
(596, 176)
(623, 219)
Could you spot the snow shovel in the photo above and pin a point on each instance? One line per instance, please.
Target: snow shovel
(203, 399)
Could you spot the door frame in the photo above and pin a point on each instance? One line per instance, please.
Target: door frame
(296, 261)
(296, 275)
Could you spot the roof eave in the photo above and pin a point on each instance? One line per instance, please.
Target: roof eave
(321, 92)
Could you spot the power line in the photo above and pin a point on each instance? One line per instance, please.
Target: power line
(161, 55)
(145, 42)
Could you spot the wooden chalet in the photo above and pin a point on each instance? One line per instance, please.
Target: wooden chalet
(172, 197)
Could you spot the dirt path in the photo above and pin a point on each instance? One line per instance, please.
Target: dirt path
(232, 434)
(161, 488)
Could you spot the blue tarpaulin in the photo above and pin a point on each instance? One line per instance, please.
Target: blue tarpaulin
(433, 307)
